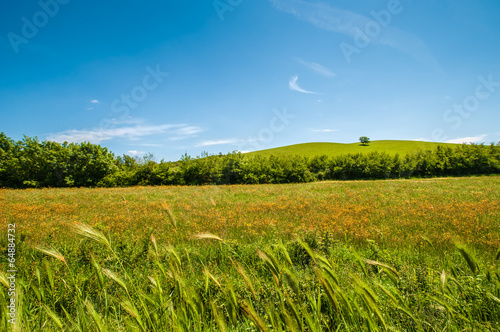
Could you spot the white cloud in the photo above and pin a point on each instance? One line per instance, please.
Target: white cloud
(177, 131)
(294, 86)
(471, 139)
(185, 132)
(421, 139)
(147, 144)
(218, 142)
(188, 130)
(324, 130)
(95, 101)
(482, 95)
(317, 68)
(136, 153)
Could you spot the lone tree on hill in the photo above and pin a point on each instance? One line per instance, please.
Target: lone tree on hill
(364, 140)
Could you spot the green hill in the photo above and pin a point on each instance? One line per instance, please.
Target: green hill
(333, 149)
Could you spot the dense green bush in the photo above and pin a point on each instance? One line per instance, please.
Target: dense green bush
(31, 163)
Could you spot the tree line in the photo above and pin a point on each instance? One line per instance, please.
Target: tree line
(30, 163)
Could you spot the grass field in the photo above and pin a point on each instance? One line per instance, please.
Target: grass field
(334, 149)
(402, 255)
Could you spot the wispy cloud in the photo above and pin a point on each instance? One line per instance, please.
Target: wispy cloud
(294, 86)
(421, 139)
(136, 153)
(95, 101)
(324, 130)
(471, 139)
(147, 144)
(323, 16)
(326, 17)
(185, 132)
(316, 67)
(174, 131)
(219, 142)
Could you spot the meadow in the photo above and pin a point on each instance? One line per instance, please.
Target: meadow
(399, 255)
(390, 147)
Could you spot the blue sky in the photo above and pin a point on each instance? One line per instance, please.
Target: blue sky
(170, 77)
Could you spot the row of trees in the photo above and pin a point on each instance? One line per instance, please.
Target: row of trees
(31, 163)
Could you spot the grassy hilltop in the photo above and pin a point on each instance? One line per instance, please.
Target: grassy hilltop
(334, 149)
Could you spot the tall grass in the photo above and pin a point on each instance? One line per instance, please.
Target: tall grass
(293, 286)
